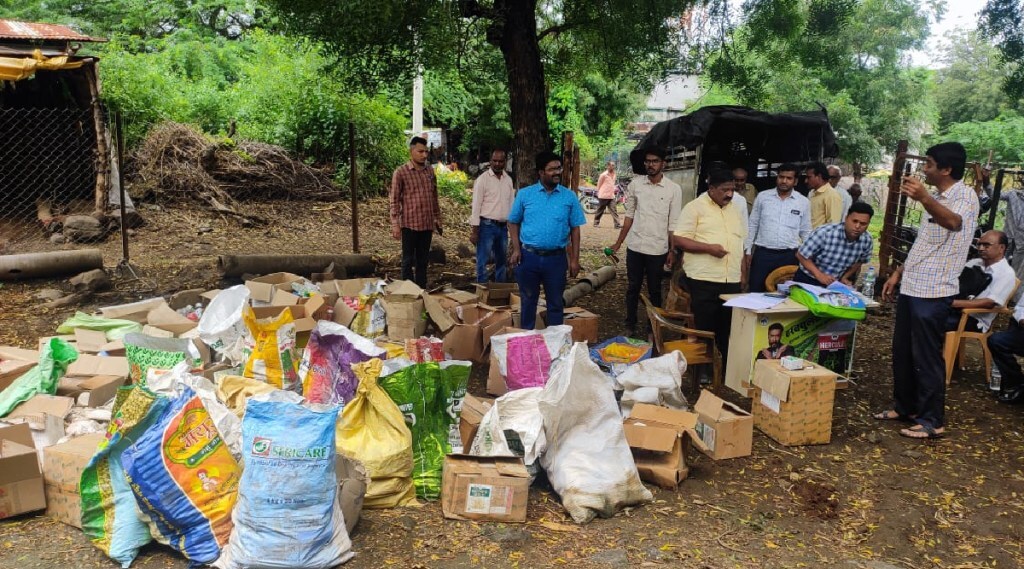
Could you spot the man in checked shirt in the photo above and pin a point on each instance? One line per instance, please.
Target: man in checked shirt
(415, 212)
(929, 279)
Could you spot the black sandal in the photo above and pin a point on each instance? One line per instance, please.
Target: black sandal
(928, 430)
(891, 415)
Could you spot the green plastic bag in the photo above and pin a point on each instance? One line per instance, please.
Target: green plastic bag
(838, 301)
(115, 329)
(54, 359)
(430, 398)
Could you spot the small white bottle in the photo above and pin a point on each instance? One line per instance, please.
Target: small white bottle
(996, 380)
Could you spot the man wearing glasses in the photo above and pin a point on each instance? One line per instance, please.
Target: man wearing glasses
(544, 225)
(991, 259)
(653, 203)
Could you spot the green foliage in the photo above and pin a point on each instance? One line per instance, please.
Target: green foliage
(1004, 135)
(848, 55)
(453, 184)
(969, 86)
(1001, 20)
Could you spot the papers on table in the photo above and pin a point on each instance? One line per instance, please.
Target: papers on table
(754, 301)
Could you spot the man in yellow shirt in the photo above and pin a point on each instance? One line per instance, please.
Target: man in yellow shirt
(826, 202)
(711, 231)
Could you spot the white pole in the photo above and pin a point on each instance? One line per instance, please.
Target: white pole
(417, 104)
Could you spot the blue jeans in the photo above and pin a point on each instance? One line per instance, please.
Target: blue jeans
(533, 271)
(493, 239)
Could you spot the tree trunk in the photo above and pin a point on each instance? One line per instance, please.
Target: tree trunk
(527, 91)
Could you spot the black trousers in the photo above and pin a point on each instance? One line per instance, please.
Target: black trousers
(709, 314)
(918, 370)
(1006, 346)
(415, 248)
(638, 267)
(764, 261)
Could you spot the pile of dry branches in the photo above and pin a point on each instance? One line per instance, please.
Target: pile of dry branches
(177, 162)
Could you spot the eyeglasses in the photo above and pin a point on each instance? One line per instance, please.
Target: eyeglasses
(655, 161)
(553, 170)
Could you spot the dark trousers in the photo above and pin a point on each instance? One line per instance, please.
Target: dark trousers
(802, 277)
(534, 271)
(602, 204)
(638, 267)
(764, 261)
(1005, 346)
(709, 314)
(493, 241)
(918, 370)
(415, 248)
(953, 322)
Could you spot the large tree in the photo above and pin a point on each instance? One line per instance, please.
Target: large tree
(852, 56)
(388, 40)
(969, 85)
(1003, 20)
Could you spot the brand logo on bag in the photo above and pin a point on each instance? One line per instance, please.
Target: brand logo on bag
(195, 437)
(261, 446)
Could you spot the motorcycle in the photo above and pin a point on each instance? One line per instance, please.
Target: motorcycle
(590, 202)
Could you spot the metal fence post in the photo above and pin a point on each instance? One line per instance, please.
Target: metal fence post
(353, 185)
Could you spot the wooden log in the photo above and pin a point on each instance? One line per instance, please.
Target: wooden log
(345, 266)
(50, 264)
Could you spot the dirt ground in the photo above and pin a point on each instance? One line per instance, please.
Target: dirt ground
(870, 499)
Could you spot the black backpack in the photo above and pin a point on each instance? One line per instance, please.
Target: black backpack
(973, 280)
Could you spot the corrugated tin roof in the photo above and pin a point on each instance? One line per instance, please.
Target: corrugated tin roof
(13, 29)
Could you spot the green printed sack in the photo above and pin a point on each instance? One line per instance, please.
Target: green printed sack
(836, 301)
(430, 397)
(148, 352)
(110, 517)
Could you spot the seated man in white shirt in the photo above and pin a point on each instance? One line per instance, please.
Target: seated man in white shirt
(991, 252)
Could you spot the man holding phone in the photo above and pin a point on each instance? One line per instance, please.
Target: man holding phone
(929, 279)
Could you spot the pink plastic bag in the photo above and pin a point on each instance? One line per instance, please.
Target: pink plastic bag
(528, 362)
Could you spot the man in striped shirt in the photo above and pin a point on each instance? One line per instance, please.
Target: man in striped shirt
(415, 212)
(929, 279)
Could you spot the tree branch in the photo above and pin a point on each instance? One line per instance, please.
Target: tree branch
(473, 9)
(564, 27)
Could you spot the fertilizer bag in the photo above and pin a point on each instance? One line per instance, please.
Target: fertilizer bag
(271, 350)
(587, 459)
(326, 368)
(373, 431)
(287, 513)
(185, 479)
(110, 517)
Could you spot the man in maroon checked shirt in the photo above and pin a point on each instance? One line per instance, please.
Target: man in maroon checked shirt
(415, 212)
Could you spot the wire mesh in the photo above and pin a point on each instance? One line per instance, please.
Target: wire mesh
(48, 170)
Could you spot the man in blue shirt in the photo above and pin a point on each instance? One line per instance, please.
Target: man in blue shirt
(545, 218)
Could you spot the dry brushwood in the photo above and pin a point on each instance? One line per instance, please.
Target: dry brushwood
(179, 163)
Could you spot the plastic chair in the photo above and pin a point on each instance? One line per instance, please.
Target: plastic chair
(952, 348)
(678, 299)
(779, 276)
(697, 346)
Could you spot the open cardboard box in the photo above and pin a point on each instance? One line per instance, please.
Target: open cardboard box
(262, 289)
(657, 435)
(166, 318)
(726, 430)
(15, 362)
(62, 471)
(134, 311)
(473, 411)
(89, 365)
(441, 307)
(496, 294)
(93, 391)
(21, 481)
(471, 336)
(304, 314)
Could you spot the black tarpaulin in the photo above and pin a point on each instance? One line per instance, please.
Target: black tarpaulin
(734, 134)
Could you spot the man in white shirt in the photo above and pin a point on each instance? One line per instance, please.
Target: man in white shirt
(835, 174)
(778, 224)
(991, 251)
(492, 199)
(653, 203)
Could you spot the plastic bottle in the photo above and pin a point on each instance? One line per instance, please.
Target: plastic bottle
(867, 288)
(996, 380)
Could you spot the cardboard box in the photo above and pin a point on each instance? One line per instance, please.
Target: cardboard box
(725, 430)
(21, 482)
(134, 311)
(166, 318)
(494, 489)
(404, 305)
(473, 411)
(15, 362)
(496, 294)
(471, 336)
(90, 391)
(89, 365)
(90, 341)
(303, 315)
(62, 470)
(657, 437)
(34, 410)
(496, 385)
(584, 324)
(262, 289)
(348, 288)
(794, 407)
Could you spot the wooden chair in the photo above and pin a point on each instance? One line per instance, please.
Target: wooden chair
(952, 349)
(697, 346)
(779, 276)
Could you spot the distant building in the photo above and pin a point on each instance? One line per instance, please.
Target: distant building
(669, 99)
